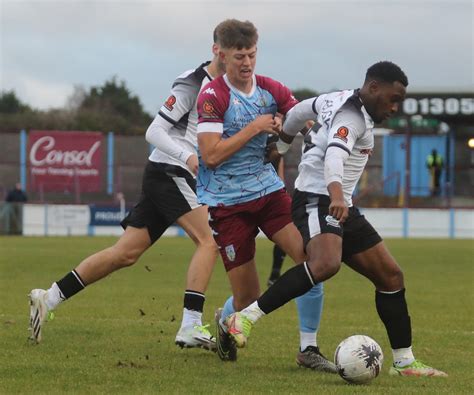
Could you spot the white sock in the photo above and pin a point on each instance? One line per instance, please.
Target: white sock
(402, 357)
(53, 297)
(308, 339)
(191, 318)
(253, 312)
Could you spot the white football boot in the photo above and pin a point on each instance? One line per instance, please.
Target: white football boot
(39, 313)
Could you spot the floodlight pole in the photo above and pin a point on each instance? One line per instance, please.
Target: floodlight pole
(408, 134)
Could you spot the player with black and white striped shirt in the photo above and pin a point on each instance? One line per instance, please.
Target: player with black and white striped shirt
(333, 230)
(168, 197)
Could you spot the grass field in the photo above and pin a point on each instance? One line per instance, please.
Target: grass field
(118, 335)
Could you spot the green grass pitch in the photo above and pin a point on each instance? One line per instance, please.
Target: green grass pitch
(117, 336)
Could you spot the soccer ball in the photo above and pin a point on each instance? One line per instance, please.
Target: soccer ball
(358, 359)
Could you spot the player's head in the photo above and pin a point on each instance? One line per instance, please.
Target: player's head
(237, 41)
(384, 90)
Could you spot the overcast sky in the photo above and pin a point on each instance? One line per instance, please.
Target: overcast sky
(47, 47)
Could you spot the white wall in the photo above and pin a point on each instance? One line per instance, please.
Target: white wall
(55, 220)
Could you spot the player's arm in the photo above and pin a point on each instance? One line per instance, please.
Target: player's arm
(296, 122)
(345, 130)
(213, 148)
(180, 102)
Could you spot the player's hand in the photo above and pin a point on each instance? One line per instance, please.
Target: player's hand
(278, 123)
(339, 210)
(193, 164)
(266, 124)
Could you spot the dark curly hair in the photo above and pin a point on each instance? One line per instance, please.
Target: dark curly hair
(387, 72)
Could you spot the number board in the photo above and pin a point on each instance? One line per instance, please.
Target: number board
(439, 105)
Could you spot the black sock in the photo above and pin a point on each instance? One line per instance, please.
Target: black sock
(393, 312)
(278, 258)
(70, 284)
(194, 300)
(295, 282)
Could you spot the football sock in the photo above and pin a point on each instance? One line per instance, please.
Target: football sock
(70, 284)
(308, 339)
(310, 306)
(228, 308)
(293, 283)
(393, 311)
(253, 312)
(194, 300)
(53, 297)
(278, 258)
(193, 307)
(402, 357)
(191, 318)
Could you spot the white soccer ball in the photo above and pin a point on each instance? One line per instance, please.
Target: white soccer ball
(358, 359)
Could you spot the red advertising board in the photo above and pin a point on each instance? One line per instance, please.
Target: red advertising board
(65, 161)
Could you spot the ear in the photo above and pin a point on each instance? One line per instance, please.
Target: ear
(222, 56)
(374, 86)
(215, 49)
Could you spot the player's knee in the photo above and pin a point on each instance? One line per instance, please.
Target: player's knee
(392, 279)
(210, 245)
(323, 269)
(127, 258)
(396, 277)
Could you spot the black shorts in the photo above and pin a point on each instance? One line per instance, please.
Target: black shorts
(168, 192)
(310, 214)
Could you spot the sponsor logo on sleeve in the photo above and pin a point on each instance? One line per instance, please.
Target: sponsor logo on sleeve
(342, 134)
(210, 91)
(170, 102)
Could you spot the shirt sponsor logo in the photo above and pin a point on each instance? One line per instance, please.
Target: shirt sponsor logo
(331, 221)
(210, 91)
(170, 102)
(342, 134)
(230, 252)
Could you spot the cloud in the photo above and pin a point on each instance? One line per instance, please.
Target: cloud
(316, 44)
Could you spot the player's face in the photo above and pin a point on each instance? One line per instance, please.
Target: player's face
(386, 99)
(240, 64)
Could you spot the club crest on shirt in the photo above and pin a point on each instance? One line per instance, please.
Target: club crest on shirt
(230, 252)
(342, 134)
(208, 108)
(170, 102)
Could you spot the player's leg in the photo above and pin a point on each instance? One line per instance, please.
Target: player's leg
(234, 231)
(277, 263)
(377, 264)
(123, 253)
(144, 224)
(323, 241)
(310, 306)
(192, 333)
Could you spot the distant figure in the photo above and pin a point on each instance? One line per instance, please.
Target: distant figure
(16, 195)
(15, 199)
(434, 163)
